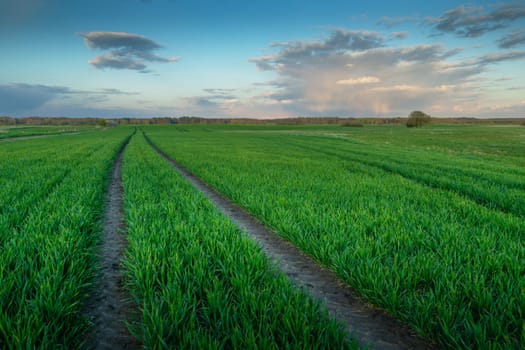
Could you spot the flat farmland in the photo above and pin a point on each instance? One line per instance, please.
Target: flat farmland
(191, 280)
(420, 227)
(19, 131)
(426, 223)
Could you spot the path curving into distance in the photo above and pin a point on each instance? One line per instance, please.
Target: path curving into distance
(368, 324)
(110, 306)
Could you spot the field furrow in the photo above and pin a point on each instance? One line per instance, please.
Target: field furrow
(109, 306)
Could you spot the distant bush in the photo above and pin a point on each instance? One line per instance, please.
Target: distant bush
(417, 119)
(352, 123)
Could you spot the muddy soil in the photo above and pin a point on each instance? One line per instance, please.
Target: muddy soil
(371, 326)
(109, 307)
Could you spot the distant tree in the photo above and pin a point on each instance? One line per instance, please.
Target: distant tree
(103, 123)
(417, 119)
(7, 121)
(352, 123)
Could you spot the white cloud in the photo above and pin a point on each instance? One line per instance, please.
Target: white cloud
(358, 81)
(323, 78)
(394, 88)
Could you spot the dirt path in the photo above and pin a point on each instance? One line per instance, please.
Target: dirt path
(109, 307)
(368, 324)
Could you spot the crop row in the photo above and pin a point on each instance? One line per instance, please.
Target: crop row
(450, 267)
(48, 254)
(30, 171)
(497, 187)
(24, 131)
(197, 280)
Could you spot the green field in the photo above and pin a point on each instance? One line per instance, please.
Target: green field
(198, 282)
(426, 223)
(9, 132)
(50, 206)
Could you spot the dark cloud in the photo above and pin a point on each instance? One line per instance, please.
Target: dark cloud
(110, 61)
(283, 96)
(390, 22)
(202, 102)
(126, 50)
(215, 101)
(352, 41)
(213, 98)
(500, 57)
(119, 40)
(298, 52)
(508, 12)
(399, 35)
(474, 21)
(273, 83)
(517, 37)
(111, 91)
(424, 53)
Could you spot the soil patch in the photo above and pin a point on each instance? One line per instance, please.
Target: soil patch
(110, 306)
(371, 326)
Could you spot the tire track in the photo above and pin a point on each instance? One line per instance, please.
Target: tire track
(110, 306)
(369, 325)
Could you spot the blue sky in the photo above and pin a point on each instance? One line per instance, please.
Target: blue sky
(138, 58)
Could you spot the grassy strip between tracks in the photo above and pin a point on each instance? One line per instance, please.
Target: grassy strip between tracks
(198, 281)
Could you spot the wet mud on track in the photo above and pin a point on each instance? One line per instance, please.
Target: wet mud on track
(369, 325)
(109, 306)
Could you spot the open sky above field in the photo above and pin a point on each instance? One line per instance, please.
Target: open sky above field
(233, 58)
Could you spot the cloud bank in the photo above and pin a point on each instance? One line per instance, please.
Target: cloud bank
(15, 98)
(125, 51)
(19, 99)
(354, 73)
